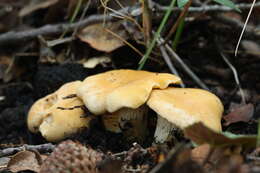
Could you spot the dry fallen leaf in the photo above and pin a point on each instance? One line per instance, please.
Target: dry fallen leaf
(93, 62)
(100, 36)
(3, 163)
(200, 153)
(233, 163)
(25, 160)
(242, 113)
(200, 134)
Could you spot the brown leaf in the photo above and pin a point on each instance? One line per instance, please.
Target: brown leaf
(93, 62)
(104, 38)
(233, 163)
(242, 113)
(206, 153)
(201, 134)
(200, 153)
(218, 160)
(3, 163)
(25, 160)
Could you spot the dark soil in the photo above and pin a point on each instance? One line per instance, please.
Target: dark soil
(200, 48)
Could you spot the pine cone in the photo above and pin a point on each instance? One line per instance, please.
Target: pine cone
(72, 157)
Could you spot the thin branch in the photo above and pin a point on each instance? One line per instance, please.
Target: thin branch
(186, 68)
(244, 27)
(168, 61)
(250, 31)
(41, 148)
(243, 99)
(207, 8)
(235, 76)
(124, 41)
(14, 37)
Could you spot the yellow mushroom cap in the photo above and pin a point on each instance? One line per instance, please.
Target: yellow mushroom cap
(185, 106)
(113, 90)
(60, 123)
(55, 116)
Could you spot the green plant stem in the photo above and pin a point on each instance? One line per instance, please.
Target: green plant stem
(258, 135)
(74, 15)
(178, 34)
(156, 36)
(76, 11)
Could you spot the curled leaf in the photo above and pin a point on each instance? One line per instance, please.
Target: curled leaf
(105, 38)
(243, 113)
(201, 134)
(25, 160)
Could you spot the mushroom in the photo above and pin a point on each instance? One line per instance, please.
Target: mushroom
(181, 107)
(118, 95)
(57, 117)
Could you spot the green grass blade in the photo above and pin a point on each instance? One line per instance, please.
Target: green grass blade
(156, 36)
(178, 34)
(258, 135)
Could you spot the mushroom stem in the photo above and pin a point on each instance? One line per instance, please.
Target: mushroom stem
(163, 130)
(131, 122)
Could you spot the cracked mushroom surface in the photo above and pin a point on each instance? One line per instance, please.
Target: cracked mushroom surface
(120, 94)
(56, 116)
(116, 89)
(181, 107)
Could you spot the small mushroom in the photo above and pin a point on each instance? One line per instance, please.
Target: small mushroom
(120, 94)
(56, 116)
(181, 107)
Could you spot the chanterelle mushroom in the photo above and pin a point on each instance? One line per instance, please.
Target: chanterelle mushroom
(57, 117)
(121, 92)
(182, 107)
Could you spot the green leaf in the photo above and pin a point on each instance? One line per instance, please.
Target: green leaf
(228, 3)
(181, 3)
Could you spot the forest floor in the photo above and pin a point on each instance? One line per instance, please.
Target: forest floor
(44, 45)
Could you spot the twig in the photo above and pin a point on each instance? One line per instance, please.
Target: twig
(119, 154)
(244, 27)
(14, 37)
(82, 16)
(124, 41)
(185, 67)
(132, 170)
(147, 21)
(170, 160)
(236, 24)
(207, 8)
(168, 61)
(59, 41)
(234, 72)
(41, 148)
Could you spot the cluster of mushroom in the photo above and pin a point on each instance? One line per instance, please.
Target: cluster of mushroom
(121, 97)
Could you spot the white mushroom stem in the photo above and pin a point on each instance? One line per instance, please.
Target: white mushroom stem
(132, 122)
(163, 130)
